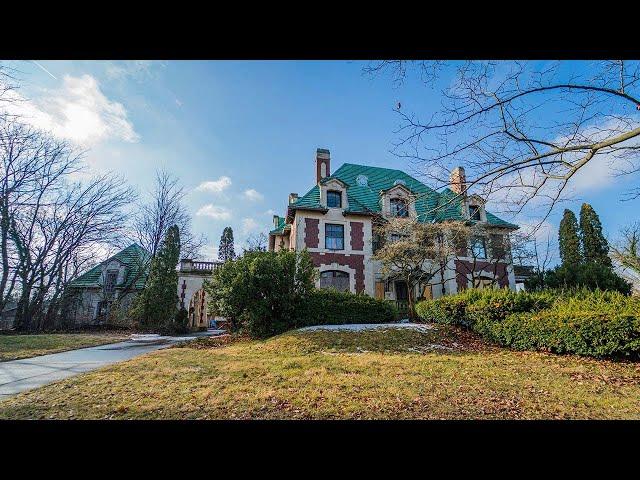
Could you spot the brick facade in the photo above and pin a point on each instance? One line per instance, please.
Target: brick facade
(465, 267)
(353, 261)
(357, 236)
(311, 232)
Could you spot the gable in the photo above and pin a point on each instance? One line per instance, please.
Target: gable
(132, 258)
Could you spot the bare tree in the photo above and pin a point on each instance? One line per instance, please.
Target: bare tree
(257, 242)
(166, 208)
(483, 253)
(49, 225)
(412, 251)
(627, 249)
(523, 130)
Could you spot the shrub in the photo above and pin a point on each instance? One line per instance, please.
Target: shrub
(471, 305)
(591, 276)
(581, 326)
(449, 309)
(267, 293)
(330, 307)
(495, 305)
(584, 322)
(262, 293)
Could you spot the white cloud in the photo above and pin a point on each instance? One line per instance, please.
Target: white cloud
(214, 211)
(210, 252)
(215, 186)
(77, 111)
(253, 195)
(249, 225)
(138, 70)
(271, 212)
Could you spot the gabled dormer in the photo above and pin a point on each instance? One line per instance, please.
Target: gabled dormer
(475, 210)
(333, 194)
(398, 201)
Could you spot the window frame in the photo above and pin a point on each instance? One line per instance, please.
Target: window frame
(482, 242)
(333, 193)
(477, 210)
(327, 237)
(110, 287)
(393, 202)
(343, 275)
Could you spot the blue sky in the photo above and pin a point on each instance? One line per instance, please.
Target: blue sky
(240, 127)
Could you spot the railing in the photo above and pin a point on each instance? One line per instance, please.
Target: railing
(198, 266)
(208, 266)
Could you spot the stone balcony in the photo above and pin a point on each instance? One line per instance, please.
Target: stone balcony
(197, 266)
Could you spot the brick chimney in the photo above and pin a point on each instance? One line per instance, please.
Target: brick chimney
(458, 181)
(293, 198)
(323, 164)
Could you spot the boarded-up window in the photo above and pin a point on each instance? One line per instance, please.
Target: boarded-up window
(497, 246)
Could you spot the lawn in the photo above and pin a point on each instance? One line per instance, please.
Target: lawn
(13, 347)
(394, 374)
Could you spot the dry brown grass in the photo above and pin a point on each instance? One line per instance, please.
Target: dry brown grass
(395, 374)
(14, 347)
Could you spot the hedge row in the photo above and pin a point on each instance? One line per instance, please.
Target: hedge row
(592, 323)
(330, 307)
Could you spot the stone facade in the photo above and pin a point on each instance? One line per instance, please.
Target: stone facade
(306, 228)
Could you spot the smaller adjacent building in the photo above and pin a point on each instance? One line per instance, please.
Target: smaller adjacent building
(116, 280)
(191, 294)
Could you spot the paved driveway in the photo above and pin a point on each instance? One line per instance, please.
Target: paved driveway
(19, 375)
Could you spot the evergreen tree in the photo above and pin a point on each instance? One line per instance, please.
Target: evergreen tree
(569, 240)
(156, 305)
(226, 250)
(595, 248)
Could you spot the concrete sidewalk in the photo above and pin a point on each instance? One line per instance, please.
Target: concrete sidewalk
(20, 375)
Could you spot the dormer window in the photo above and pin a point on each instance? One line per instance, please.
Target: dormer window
(110, 281)
(399, 207)
(475, 213)
(334, 199)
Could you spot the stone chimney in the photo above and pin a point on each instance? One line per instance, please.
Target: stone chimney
(293, 198)
(276, 220)
(458, 181)
(323, 164)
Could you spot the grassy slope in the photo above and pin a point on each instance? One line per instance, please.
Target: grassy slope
(374, 374)
(13, 347)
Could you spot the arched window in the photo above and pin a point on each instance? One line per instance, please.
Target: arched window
(335, 279)
(482, 283)
(399, 207)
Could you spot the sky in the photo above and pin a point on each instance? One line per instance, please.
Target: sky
(242, 135)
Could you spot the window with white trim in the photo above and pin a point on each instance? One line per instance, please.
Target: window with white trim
(333, 236)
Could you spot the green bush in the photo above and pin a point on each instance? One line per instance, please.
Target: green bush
(471, 305)
(597, 325)
(591, 276)
(330, 307)
(262, 293)
(583, 322)
(267, 293)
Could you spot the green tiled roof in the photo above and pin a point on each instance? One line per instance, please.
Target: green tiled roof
(133, 257)
(282, 224)
(367, 199)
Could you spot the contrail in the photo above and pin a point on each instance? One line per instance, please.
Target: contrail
(50, 74)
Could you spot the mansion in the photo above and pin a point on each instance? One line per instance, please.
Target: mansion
(335, 222)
